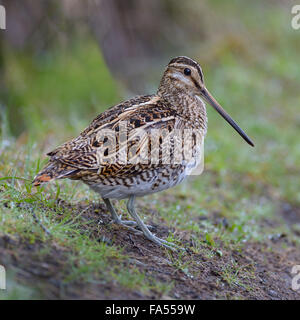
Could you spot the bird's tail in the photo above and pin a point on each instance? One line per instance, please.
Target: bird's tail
(52, 171)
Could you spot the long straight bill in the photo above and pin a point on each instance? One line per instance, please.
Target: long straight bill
(213, 102)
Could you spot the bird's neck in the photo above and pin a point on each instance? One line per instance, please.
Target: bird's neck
(188, 106)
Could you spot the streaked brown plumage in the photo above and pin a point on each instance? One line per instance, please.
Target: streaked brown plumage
(114, 154)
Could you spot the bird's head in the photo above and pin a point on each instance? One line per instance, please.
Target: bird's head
(184, 76)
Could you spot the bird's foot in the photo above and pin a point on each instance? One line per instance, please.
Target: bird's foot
(129, 224)
(163, 243)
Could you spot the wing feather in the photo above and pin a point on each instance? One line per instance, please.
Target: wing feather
(140, 115)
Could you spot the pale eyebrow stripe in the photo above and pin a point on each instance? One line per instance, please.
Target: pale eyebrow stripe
(184, 65)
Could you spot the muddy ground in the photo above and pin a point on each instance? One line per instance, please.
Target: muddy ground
(263, 269)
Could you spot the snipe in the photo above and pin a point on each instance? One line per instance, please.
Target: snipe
(138, 147)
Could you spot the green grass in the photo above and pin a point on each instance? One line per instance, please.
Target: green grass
(87, 257)
(57, 89)
(237, 199)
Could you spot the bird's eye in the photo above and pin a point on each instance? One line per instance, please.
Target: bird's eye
(187, 71)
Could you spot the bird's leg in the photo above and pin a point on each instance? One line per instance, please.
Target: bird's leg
(144, 228)
(116, 218)
(112, 210)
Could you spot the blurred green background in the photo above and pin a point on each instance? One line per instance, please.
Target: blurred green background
(64, 62)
